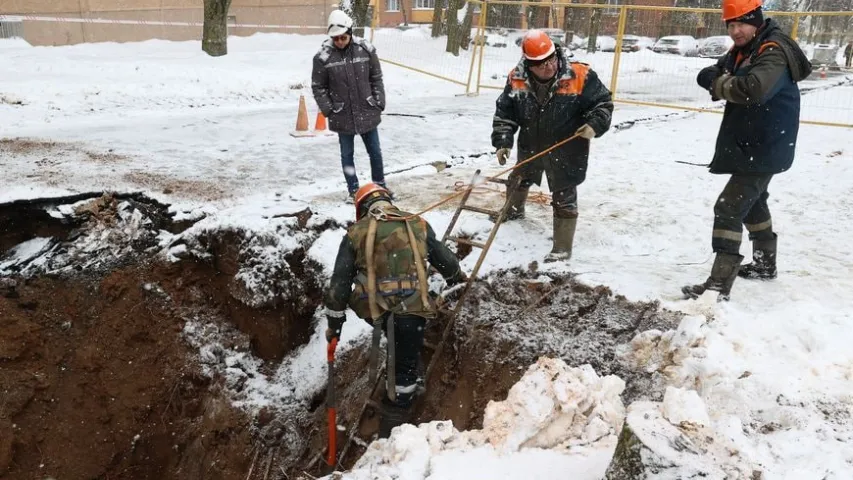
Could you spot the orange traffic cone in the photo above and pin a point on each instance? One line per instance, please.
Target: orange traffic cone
(320, 123)
(823, 71)
(302, 120)
(302, 116)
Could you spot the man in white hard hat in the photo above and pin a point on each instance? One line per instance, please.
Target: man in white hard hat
(347, 85)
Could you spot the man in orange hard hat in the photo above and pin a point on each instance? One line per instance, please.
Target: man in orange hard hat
(758, 135)
(384, 253)
(549, 98)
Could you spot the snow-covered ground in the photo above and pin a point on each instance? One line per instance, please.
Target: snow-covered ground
(773, 367)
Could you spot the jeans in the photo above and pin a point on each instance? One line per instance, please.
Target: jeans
(371, 143)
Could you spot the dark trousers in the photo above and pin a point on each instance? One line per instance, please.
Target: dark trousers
(374, 151)
(408, 343)
(849, 62)
(742, 203)
(564, 196)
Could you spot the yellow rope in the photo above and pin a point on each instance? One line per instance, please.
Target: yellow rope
(471, 187)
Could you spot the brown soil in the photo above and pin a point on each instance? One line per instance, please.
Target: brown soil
(98, 381)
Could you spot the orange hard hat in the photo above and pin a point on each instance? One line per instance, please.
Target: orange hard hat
(367, 195)
(733, 9)
(537, 45)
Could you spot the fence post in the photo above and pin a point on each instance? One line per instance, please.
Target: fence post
(617, 54)
(480, 33)
(373, 20)
(484, 12)
(796, 28)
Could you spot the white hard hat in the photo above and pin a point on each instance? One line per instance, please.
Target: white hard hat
(339, 23)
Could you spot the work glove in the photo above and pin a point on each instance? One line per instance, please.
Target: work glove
(707, 76)
(371, 100)
(586, 132)
(503, 154)
(336, 324)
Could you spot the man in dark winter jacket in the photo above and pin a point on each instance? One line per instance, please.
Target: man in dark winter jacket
(848, 54)
(549, 98)
(384, 254)
(758, 135)
(347, 84)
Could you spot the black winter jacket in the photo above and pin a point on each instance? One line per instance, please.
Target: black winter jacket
(347, 86)
(758, 134)
(576, 98)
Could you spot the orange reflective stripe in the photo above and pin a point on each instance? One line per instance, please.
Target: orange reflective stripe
(574, 86)
(766, 46)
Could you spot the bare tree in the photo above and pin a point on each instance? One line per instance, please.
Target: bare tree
(465, 37)
(358, 11)
(454, 28)
(437, 25)
(214, 40)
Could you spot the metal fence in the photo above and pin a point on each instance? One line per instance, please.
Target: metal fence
(647, 55)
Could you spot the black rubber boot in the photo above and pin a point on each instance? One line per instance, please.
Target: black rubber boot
(723, 275)
(763, 266)
(391, 416)
(564, 238)
(517, 199)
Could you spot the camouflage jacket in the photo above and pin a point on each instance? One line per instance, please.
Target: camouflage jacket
(396, 271)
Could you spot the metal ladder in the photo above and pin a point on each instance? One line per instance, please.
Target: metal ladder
(451, 315)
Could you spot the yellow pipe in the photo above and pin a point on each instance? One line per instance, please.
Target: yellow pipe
(718, 111)
(620, 33)
(479, 34)
(484, 12)
(796, 28)
(422, 71)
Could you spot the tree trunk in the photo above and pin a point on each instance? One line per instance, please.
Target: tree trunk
(437, 29)
(214, 40)
(594, 26)
(466, 27)
(358, 11)
(453, 28)
(403, 11)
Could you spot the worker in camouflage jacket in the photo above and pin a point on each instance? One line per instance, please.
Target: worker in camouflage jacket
(757, 139)
(549, 98)
(346, 81)
(401, 245)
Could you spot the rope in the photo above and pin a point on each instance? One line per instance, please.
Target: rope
(472, 187)
(535, 197)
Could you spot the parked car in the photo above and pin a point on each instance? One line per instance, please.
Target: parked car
(684, 45)
(634, 43)
(824, 54)
(605, 43)
(556, 36)
(716, 47)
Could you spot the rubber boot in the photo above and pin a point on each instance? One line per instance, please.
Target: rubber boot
(723, 275)
(564, 237)
(517, 199)
(763, 266)
(391, 416)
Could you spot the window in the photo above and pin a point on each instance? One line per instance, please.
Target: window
(393, 6)
(424, 4)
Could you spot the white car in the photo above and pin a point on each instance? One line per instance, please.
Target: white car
(716, 47)
(634, 43)
(683, 45)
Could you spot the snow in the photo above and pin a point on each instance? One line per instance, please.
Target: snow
(555, 419)
(773, 367)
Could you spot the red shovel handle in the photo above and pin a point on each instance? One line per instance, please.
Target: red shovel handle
(331, 457)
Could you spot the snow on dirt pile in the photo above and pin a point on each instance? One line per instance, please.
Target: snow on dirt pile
(555, 419)
(531, 314)
(92, 234)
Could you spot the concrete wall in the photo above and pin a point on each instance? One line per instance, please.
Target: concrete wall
(265, 12)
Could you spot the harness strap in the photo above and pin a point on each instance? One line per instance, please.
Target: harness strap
(371, 269)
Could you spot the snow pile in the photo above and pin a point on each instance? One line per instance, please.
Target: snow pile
(677, 354)
(109, 230)
(670, 441)
(556, 418)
